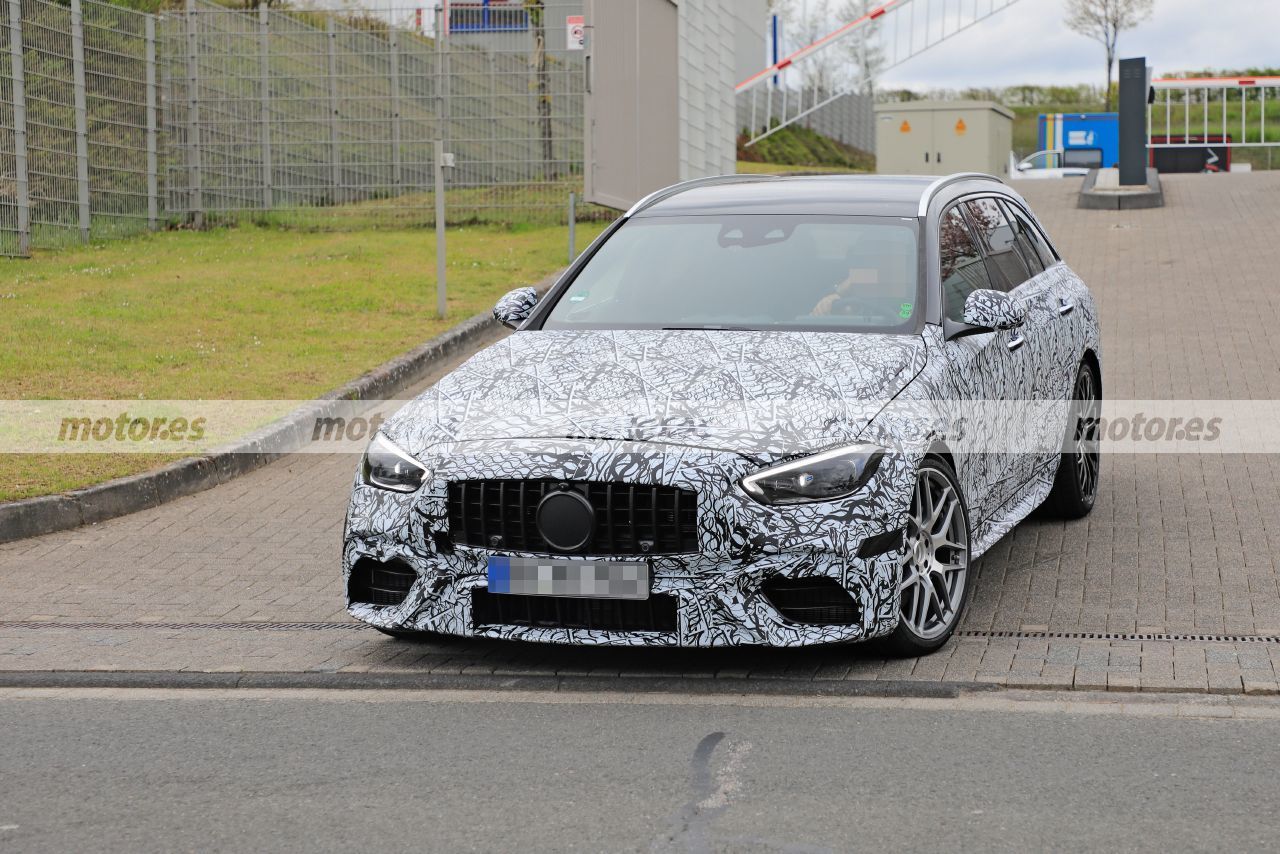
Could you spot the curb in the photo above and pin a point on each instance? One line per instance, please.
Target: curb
(352, 681)
(45, 514)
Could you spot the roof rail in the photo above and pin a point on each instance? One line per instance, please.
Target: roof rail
(933, 189)
(675, 189)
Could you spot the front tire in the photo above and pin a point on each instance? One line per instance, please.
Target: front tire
(1075, 487)
(935, 579)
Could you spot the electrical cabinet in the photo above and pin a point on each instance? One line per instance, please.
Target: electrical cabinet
(942, 137)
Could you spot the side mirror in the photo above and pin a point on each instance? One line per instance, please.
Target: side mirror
(987, 310)
(997, 310)
(515, 307)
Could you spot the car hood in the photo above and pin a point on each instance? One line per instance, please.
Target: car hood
(761, 394)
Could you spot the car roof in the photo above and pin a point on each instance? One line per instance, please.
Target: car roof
(839, 195)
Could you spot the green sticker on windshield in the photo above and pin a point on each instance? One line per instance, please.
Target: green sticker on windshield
(904, 311)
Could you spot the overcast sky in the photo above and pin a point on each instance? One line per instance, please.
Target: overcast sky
(1028, 43)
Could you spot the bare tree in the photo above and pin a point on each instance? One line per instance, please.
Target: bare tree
(1103, 20)
(806, 21)
(864, 51)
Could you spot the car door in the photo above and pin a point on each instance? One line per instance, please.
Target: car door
(988, 366)
(1035, 428)
(1060, 296)
(1048, 318)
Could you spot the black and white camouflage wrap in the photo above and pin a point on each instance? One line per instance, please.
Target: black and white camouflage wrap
(997, 309)
(699, 410)
(515, 306)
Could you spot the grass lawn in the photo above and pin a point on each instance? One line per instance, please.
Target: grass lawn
(747, 167)
(247, 312)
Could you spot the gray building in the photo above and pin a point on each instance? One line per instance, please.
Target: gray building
(660, 102)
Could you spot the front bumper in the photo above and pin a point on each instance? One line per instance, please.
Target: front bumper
(719, 591)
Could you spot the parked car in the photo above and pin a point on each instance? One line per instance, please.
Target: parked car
(1046, 164)
(733, 420)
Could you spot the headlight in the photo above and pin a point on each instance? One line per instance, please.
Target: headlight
(821, 477)
(387, 467)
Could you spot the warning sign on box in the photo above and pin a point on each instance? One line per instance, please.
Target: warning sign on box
(575, 32)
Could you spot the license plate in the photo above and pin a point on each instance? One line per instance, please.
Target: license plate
(552, 577)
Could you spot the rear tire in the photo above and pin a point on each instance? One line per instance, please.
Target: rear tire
(935, 576)
(1075, 487)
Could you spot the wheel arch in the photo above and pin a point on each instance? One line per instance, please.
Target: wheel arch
(1091, 359)
(939, 448)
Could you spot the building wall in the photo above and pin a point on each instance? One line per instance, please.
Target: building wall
(718, 39)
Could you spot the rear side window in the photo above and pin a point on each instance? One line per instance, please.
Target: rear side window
(1025, 247)
(962, 270)
(997, 237)
(1028, 232)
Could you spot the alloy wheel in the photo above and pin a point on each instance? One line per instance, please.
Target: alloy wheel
(935, 568)
(1085, 442)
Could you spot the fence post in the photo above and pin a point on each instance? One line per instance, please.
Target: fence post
(444, 86)
(441, 294)
(82, 117)
(153, 159)
(396, 169)
(573, 224)
(334, 169)
(20, 127)
(264, 60)
(196, 198)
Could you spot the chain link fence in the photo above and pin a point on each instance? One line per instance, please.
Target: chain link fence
(114, 121)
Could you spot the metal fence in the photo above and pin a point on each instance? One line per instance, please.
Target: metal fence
(114, 121)
(78, 132)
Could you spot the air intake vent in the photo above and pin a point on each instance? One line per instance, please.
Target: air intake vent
(813, 601)
(629, 519)
(376, 583)
(655, 614)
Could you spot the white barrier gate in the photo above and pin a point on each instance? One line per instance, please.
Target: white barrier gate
(1199, 112)
(799, 84)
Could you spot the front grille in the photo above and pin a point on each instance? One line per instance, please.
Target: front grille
(380, 583)
(814, 601)
(655, 614)
(630, 518)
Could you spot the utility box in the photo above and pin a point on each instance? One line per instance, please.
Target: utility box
(942, 137)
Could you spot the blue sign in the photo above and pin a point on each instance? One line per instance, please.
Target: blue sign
(1086, 139)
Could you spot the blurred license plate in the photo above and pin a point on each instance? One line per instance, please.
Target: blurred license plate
(552, 577)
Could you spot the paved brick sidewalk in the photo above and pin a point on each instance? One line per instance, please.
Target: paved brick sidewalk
(1181, 547)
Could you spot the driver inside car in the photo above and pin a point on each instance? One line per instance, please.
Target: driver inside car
(868, 274)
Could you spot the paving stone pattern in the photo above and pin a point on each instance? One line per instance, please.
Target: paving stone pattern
(1179, 546)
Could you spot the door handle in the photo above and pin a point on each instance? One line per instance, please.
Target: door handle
(1016, 342)
(926, 157)
(1065, 308)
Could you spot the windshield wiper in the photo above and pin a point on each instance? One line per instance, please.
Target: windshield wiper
(710, 327)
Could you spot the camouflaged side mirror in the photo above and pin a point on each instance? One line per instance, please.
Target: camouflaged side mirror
(515, 307)
(988, 310)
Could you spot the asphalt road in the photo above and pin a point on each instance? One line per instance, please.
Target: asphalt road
(116, 770)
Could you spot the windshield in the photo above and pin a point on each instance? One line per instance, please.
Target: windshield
(844, 273)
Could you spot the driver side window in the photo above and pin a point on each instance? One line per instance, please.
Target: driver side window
(962, 270)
